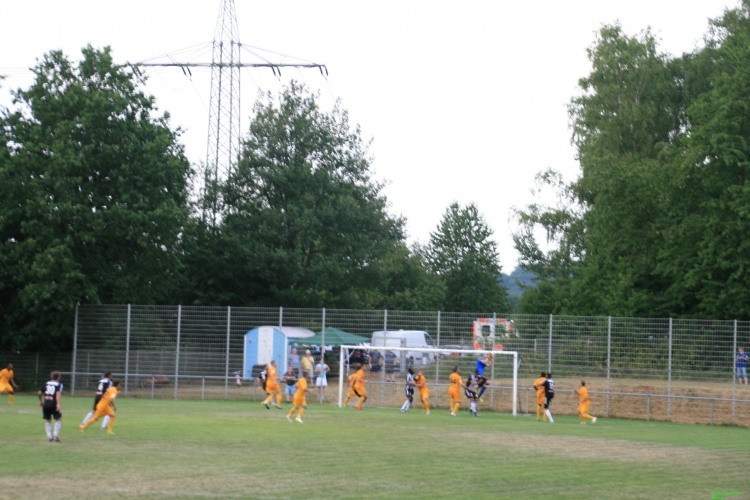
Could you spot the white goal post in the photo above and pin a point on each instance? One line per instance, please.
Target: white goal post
(430, 357)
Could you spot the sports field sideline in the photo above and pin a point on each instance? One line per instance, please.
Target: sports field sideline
(237, 449)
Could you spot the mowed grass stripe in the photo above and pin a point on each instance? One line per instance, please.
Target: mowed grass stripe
(218, 449)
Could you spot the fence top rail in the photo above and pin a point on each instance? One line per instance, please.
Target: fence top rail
(171, 376)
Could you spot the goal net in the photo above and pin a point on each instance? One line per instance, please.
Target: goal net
(386, 368)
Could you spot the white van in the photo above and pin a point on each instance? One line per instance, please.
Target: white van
(410, 339)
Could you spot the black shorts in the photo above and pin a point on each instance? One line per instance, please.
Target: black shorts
(548, 401)
(50, 411)
(409, 391)
(375, 368)
(97, 398)
(470, 394)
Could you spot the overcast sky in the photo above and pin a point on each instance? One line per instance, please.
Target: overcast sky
(465, 101)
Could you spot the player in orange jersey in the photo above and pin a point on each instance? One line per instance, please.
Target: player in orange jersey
(540, 396)
(272, 386)
(584, 403)
(104, 407)
(358, 386)
(420, 382)
(7, 383)
(351, 393)
(454, 391)
(300, 402)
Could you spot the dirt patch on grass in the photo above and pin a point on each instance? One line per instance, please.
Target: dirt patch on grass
(589, 448)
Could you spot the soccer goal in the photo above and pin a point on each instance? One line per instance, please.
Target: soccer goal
(386, 369)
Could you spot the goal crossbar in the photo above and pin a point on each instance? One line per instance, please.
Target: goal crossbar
(514, 354)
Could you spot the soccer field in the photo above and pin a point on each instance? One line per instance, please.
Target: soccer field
(218, 449)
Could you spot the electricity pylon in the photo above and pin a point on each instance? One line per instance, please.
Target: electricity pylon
(224, 132)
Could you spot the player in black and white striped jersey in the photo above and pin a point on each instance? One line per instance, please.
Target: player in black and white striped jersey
(471, 384)
(549, 394)
(409, 391)
(104, 384)
(49, 400)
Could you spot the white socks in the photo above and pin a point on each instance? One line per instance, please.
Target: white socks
(57, 427)
(105, 422)
(473, 406)
(549, 416)
(48, 428)
(406, 405)
(87, 418)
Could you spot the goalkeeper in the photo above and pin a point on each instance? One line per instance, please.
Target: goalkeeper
(482, 382)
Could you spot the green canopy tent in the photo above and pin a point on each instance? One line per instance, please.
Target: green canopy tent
(334, 337)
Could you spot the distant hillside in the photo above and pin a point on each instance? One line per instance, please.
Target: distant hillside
(511, 282)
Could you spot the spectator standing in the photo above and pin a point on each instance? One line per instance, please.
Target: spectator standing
(294, 361)
(742, 359)
(321, 377)
(376, 361)
(390, 366)
(306, 364)
(290, 378)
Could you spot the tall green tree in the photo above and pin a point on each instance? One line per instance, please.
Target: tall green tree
(93, 198)
(608, 232)
(304, 222)
(463, 254)
(713, 215)
(654, 225)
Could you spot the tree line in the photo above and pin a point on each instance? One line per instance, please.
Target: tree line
(99, 204)
(657, 222)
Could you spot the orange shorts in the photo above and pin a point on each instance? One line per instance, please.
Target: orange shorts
(101, 412)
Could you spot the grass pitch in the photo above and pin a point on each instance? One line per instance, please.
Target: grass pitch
(219, 449)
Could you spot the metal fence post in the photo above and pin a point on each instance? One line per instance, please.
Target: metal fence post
(322, 361)
(609, 357)
(385, 336)
(438, 330)
(669, 375)
(437, 360)
(648, 407)
(549, 354)
(177, 353)
(734, 374)
(75, 349)
(127, 352)
(226, 375)
(281, 317)
(492, 385)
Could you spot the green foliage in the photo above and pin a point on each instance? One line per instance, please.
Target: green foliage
(304, 223)
(654, 225)
(463, 254)
(93, 192)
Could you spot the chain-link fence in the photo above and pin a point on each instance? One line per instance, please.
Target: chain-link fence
(664, 369)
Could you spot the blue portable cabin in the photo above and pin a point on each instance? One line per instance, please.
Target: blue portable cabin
(266, 343)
